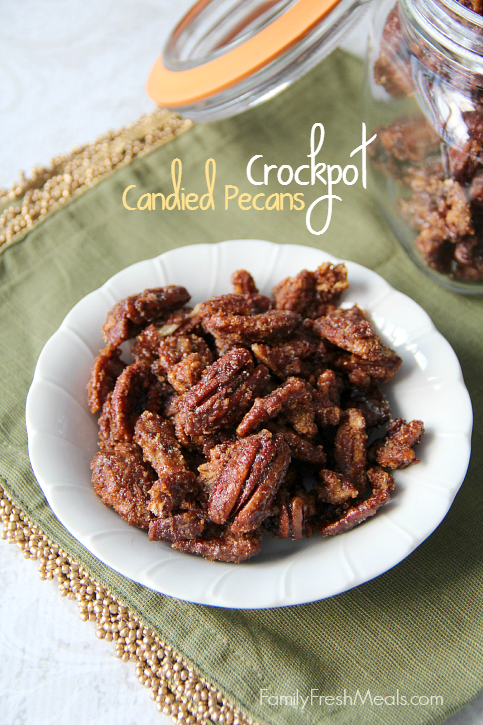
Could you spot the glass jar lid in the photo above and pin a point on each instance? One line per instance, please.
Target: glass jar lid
(224, 56)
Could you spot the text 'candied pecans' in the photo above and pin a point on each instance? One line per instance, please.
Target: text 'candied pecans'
(245, 415)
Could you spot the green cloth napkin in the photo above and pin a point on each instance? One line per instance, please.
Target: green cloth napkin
(418, 628)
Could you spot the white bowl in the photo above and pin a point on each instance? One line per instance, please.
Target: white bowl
(62, 437)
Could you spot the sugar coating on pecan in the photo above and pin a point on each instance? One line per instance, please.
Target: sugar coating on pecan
(339, 522)
(364, 373)
(243, 283)
(395, 450)
(105, 371)
(350, 330)
(226, 390)
(289, 397)
(301, 448)
(226, 547)
(230, 330)
(136, 390)
(159, 445)
(127, 318)
(311, 294)
(186, 525)
(244, 487)
(234, 304)
(301, 354)
(335, 487)
(350, 452)
(182, 359)
(122, 480)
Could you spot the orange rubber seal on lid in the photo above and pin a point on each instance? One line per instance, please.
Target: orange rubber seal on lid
(180, 88)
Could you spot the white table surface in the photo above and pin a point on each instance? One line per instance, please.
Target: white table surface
(69, 71)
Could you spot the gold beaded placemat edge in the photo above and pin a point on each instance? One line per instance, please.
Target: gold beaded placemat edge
(33, 199)
(175, 686)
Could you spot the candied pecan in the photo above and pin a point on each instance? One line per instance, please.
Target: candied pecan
(464, 250)
(340, 520)
(435, 250)
(363, 373)
(401, 150)
(246, 485)
(350, 330)
(350, 447)
(311, 294)
(330, 385)
(235, 304)
(122, 480)
(372, 403)
(295, 355)
(290, 396)
(128, 317)
(188, 525)
(295, 509)
(470, 272)
(325, 412)
(440, 207)
(226, 547)
(269, 469)
(146, 344)
(159, 445)
(301, 448)
(475, 5)
(225, 391)
(395, 450)
(467, 158)
(335, 487)
(182, 359)
(243, 283)
(230, 330)
(105, 371)
(392, 69)
(136, 390)
(217, 456)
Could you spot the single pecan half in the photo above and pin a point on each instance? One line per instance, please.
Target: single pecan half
(252, 472)
(129, 316)
(225, 547)
(105, 371)
(136, 390)
(226, 390)
(123, 480)
(350, 448)
(395, 450)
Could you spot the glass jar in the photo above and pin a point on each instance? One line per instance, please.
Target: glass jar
(226, 56)
(424, 99)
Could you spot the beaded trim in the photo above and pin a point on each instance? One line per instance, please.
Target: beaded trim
(32, 198)
(175, 687)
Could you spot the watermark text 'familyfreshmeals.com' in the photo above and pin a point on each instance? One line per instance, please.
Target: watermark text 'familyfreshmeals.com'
(259, 173)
